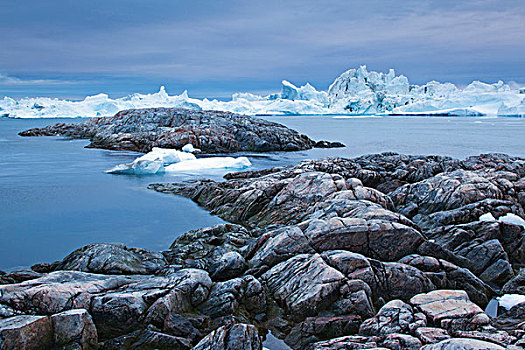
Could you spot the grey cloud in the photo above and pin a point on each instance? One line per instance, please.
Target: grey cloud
(266, 41)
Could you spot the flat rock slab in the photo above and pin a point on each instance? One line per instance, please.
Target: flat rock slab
(462, 344)
(445, 304)
(210, 131)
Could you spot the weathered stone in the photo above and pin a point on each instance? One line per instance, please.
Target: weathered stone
(441, 305)
(229, 265)
(25, 332)
(305, 285)
(394, 317)
(431, 335)
(446, 191)
(74, 328)
(462, 344)
(112, 259)
(232, 337)
(401, 342)
(349, 342)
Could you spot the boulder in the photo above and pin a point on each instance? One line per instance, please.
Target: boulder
(450, 308)
(74, 328)
(112, 259)
(26, 332)
(231, 337)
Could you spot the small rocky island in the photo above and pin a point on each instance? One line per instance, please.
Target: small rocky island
(211, 131)
(384, 251)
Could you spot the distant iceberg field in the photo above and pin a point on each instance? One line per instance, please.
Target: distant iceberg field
(356, 92)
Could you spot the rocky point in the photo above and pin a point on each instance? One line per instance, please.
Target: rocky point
(383, 251)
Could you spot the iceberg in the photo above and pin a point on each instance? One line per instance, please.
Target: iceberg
(161, 160)
(210, 163)
(152, 162)
(356, 91)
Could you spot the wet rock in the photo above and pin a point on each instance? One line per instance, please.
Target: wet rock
(211, 131)
(305, 285)
(204, 247)
(236, 296)
(401, 342)
(446, 191)
(232, 337)
(58, 291)
(446, 275)
(228, 266)
(153, 339)
(431, 335)
(348, 342)
(511, 320)
(25, 332)
(328, 144)
(515, 285)
(283, 197)
(394, 317)
(112, 259)
(74, 328)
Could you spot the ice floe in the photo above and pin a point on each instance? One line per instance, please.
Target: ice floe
(210, 163)
(356, 91)
(161, 160)
(508, 301)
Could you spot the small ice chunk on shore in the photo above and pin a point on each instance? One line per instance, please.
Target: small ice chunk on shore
(513, 219)
(190, 149)
(487, 217)
(508, 301)
(508, 218)
(210, 163)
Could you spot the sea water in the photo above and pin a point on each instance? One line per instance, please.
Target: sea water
(55, 196)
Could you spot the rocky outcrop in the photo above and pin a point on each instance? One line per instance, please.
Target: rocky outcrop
(73, 329)
(378, 252)
(211, 131)
(109, 259)
(233, 337)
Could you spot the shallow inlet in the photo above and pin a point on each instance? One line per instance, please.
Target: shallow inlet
(55, 196)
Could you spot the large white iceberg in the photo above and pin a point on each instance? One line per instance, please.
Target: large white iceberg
(152, 162)
(161, 160)
(210, 163)
(356, 91)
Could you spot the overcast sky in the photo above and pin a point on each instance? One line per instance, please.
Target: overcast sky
(213, 48)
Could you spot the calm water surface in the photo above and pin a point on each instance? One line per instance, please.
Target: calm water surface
(55, 196)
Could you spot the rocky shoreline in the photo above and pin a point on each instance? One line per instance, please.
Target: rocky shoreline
(210, 131)
(384, 251)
